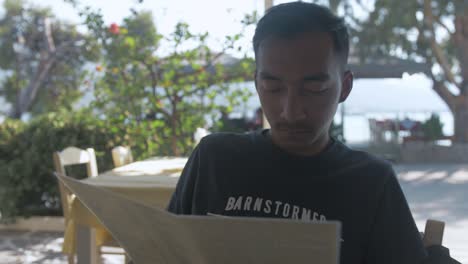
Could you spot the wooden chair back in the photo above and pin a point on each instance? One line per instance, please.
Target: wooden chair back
(121, 156)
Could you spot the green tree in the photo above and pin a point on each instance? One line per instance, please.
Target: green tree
(434, 32)
(166, 94)
(42, 59)
(433, 128)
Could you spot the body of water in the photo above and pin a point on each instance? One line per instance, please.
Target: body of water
(410, 96)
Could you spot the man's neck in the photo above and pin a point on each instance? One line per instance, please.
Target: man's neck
(308, 148)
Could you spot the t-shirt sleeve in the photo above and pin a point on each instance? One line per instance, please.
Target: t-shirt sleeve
(394, 236)
(181, 200)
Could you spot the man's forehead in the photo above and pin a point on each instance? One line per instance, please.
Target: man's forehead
(312, 49)
(304, 46)
(306, 40)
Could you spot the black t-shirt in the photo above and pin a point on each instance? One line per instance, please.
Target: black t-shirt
(247, 175)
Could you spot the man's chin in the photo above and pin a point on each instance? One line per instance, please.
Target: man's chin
(293, 138)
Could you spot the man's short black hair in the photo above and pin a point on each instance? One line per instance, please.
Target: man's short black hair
(291, 19)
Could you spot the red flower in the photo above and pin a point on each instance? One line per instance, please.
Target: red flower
(114, 29)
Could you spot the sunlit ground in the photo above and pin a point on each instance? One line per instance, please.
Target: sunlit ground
(440, 192)
(38, 247)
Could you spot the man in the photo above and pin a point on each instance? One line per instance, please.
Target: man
(295, 170)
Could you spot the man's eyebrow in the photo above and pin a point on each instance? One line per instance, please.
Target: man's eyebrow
(317, 77)
(267, 75)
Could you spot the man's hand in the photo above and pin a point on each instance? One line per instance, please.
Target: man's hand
(438, 254)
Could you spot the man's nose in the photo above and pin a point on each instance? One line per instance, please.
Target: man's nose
(293, 106)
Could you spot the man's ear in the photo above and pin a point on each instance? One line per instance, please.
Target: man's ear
(346, 85)
(255, 78)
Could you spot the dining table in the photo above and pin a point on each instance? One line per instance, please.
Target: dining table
(151, 182)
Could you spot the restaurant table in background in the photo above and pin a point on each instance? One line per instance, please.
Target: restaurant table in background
(150, 181)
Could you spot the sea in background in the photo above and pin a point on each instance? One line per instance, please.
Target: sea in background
(411, 96)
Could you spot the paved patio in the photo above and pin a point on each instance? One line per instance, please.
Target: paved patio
(37, 247)
(439, 192)
(433, 191)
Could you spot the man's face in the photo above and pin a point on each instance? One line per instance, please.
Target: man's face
(300, 83)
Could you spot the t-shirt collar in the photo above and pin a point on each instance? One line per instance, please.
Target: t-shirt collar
(264, 138)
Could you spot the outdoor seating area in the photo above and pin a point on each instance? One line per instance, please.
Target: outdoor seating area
(151, 181)
(98, 238)
(303, 129)
(406, 130)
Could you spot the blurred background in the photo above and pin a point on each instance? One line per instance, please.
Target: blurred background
(158, 75)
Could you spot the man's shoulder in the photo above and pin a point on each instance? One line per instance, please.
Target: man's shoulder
(226, 138)
(223, 141)
(368, 162)
(371, 159)
(365, 172)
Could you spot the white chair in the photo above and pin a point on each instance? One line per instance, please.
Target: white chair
(121, 156)
(74, 156)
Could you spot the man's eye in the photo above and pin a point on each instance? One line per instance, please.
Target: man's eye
(271, 85)
(314, 87)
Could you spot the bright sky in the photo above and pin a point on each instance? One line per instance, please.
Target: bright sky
(218, 17)
(202, 15)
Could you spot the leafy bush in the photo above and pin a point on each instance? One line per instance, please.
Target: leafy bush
(433, 128)
(27, 186)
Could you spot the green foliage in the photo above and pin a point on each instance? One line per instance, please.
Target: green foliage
(26, 182)
(9, 129)
(250, 19)
(433, 128)
(149, 100)
(383, 33)
(26, 171)
(27, 185)
(175, 90)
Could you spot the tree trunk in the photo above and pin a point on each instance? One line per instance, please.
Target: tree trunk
(26, 96)
(174, 136)
(460, 117)
(175, 149)
(461, 107)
